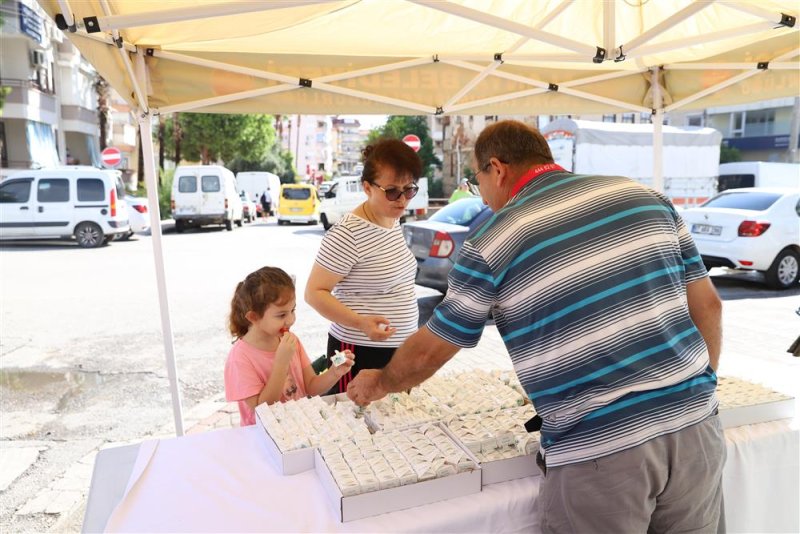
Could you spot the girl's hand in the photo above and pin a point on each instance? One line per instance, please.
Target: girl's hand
(376, 327)
(340, 370)
(286, 347)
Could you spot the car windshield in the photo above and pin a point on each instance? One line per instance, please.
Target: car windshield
(297, 194)
(743, 200)
(460, 212)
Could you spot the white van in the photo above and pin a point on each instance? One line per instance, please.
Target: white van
(204, 195)
(65, 202)
(256, 182)
(347, 192)
(758, 174)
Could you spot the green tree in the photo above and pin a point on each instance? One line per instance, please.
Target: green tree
(729, 154)
(209, 137)
(398, 126)
(276, 161)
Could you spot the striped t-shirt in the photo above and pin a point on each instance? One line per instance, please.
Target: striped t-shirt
(586, 278)
(379, 272)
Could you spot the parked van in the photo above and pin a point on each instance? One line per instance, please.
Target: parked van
(255, 183)
(203, 195)
(298, 203)
(84, 203)
(758, 174)
(347, 192)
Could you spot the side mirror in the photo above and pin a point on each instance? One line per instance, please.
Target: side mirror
(330, 194)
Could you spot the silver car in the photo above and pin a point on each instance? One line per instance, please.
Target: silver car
(436, 242)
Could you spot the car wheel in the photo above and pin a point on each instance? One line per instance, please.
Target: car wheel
(324, 220)
(239, 223)
(784, 271)
(180, 226)
(281, 223)
(229, 225)
(89, 235)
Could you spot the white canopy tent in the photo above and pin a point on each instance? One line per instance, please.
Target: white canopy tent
(498, 57)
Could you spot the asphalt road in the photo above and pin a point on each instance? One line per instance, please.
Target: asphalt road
(82, 360)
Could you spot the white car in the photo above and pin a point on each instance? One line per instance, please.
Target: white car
(751, 228)
(138, 216)
(249, 209)
(83, 203)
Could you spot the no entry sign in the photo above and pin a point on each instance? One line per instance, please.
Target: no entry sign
(111, 157)
(412, 141)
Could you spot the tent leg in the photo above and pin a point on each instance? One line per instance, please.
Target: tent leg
(148, 160)
(658, 134)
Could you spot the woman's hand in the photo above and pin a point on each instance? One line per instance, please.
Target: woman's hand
(340, 370)
(286, 347)
(376, 327)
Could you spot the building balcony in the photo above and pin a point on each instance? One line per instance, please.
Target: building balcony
(27, 102)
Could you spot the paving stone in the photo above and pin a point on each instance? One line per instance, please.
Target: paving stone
(14, 462)
(64, 501)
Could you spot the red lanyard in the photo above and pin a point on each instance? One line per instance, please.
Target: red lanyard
(532, 174)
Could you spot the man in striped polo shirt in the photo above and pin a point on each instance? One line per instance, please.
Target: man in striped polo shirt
(614, 330)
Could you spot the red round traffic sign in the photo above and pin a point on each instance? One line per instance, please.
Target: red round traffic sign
(413, 141)
(111, 157)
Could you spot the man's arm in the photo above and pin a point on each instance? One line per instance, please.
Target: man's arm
(705, 308)
(417, 359)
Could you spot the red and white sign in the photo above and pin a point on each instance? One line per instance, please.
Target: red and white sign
(112, 157)
(412, 141)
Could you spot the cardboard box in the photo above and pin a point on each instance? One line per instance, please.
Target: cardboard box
(757, 413)
(509, 469)
(504, 470)
(289, 462)
(299, 460)
(745, 403)
(392, 499)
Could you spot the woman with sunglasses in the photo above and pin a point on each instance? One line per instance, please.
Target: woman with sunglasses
(363, 276)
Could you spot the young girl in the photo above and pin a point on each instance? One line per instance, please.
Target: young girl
(267, 363)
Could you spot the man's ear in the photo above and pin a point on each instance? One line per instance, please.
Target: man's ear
(252, 316)
(503, 172)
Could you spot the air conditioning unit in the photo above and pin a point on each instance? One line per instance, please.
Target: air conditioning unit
(37, 58)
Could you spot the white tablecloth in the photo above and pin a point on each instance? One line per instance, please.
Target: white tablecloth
(224, 481)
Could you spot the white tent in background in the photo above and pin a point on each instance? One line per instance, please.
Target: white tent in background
(429, 57)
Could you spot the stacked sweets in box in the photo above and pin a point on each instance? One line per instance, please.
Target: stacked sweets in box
(499, 441)
(393, 470)
(744, 403)
(294, 428)
(441, 397)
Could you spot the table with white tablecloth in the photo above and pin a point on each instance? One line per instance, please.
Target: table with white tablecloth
(225, 481)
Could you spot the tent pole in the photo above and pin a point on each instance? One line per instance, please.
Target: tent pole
(145, 118)
(148, 160)
(658, 133)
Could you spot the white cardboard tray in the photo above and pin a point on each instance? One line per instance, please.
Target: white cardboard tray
(290, 462)
(500, 470)
(392, 499)
(756, 413)
(296, 461)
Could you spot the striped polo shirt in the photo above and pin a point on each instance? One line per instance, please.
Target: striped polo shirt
(378, 270)
(586, 279)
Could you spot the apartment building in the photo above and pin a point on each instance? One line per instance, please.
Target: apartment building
(50, 114)
(349, 139)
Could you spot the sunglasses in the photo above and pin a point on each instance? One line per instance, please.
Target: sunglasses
(393, 193)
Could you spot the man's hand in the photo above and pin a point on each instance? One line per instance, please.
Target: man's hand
(366, 387)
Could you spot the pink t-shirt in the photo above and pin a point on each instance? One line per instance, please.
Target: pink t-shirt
(247, 372)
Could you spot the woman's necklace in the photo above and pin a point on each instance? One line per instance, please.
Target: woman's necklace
(368, 215)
